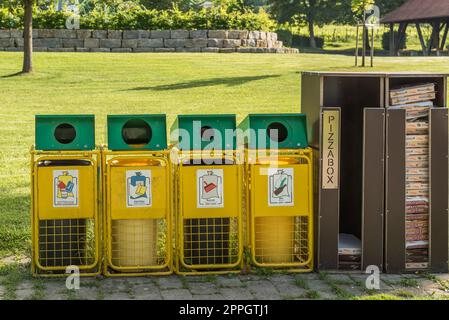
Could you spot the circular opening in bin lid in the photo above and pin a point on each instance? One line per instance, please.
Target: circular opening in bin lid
(65, 133)
(207, 134)
(277, 132)
(137, 133)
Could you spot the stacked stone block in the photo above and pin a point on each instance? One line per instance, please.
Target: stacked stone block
(63, 40)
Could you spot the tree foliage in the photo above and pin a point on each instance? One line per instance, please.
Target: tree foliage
(327, 11)
(386, 6)
(301, 11)
(358, 7)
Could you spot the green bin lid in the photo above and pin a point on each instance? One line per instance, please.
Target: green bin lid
(199, 132)
(65, 132)
(137, 132)
(291, 131)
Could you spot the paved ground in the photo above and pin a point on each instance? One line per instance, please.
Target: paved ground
(233, 287)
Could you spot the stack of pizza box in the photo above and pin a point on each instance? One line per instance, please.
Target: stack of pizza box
(416, 100)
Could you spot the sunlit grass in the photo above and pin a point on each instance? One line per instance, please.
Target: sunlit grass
(71, 83)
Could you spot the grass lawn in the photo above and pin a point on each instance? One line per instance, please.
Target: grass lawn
(143, 83)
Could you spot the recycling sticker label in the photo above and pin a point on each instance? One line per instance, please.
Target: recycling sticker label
(280, 187)
(210, 188)
(138, 188)
(65, 188)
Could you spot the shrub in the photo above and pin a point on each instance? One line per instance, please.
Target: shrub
(51, 19)
(386, 41)
(296, 40)
(285, 36)
(299, 41)
(11, 20)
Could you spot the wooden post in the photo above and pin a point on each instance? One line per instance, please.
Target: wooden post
(432, 39)
(430, 42)
(437, 37)
(443, 40)
(372, 47)
(397, 45)
(401, 34)
(421, 39)
(363, 45)
(357, 46)
(391, 39)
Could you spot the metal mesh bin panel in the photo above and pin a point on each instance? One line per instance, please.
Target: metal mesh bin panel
(66, 242)
(211, 241)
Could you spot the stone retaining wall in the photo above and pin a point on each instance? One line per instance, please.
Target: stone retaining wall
(63, 40)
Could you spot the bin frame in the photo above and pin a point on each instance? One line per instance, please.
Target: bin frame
(293, 267)
(154, 270)
(90, 155)
(179, 263)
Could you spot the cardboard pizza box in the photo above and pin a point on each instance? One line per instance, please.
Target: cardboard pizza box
(416, 152)
(417, 127)
(417, 192)
(413, 98)
(349, 244)
(424, 172)
(417, 216)
(423, 265)
(410, 90)
(417, 186)
(417, 141)
(416, 164)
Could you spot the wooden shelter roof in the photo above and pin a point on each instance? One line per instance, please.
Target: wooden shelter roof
(419, 11)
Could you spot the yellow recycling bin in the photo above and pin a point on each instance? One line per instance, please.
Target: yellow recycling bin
(209, 188)
(137, 203)
(64, 197)
(278, 169)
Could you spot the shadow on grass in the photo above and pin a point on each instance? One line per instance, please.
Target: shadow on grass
(230, 82)
(17, 74)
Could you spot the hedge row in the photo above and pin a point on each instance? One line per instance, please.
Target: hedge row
(386, 41)
(139, 18)
(298, 41)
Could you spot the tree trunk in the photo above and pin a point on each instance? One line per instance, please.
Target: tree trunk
(28, 37)
(311, 33)
(392, 42)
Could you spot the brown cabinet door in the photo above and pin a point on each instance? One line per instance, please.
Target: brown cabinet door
(395, 192)
(329, 189)
(373, 187)
(439, 189)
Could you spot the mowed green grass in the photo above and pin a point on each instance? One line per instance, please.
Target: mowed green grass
(73, 83)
